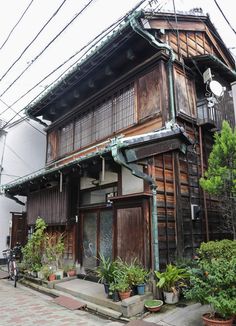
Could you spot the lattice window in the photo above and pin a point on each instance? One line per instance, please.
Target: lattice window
(111, 115)
(123, 108)
(66, 139)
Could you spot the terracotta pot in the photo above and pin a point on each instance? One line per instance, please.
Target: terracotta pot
(52, 277)
(208, 321)
(124, 295)
(71, 273)
(153, 305)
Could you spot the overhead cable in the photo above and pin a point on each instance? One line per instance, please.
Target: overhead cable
(45, 48)
(12, 30)
(31, 42)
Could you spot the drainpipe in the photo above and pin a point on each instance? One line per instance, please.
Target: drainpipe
(151, 39)
(119, 158)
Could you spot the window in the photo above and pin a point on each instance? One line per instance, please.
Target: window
(66, 139)
(112, 114)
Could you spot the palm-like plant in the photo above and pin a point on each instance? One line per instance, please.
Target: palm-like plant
(171, 278)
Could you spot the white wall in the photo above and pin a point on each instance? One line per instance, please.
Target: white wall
(24, 153)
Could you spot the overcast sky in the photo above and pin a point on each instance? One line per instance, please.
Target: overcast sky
(98, 15)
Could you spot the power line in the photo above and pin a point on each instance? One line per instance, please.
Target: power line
(45, 48)
(17, 113)
(16, 24)
(221, 11)
(92, 44)
(36, 36)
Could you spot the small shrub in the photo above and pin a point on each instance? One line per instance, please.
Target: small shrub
(223, 249)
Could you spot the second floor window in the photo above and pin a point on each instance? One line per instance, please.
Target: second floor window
(112, 114)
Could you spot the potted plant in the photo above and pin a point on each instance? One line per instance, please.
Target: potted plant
(171, 280)
(53, 252)
(123, 288)
(137, 277)
(153, 305)
(214, 283)
(70, 270)
(105, 271)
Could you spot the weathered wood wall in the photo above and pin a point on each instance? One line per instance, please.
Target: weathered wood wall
(50, 204)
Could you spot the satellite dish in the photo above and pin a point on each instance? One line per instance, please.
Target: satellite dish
(216, 88)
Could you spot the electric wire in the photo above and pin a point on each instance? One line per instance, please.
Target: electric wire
(33, 40)
(14, 27)
(221, 11)
(106, 30)
(47, 46)
(17, 113)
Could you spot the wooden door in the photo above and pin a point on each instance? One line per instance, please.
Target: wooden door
(130, 234)
(19, 229)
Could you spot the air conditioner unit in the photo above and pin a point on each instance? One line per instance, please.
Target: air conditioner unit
(195, 211)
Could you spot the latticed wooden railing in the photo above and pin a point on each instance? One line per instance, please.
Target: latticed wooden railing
(212, 113)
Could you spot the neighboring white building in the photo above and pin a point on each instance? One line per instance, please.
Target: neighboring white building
(22, 151)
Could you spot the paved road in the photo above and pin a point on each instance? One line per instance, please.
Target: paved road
(24, 307)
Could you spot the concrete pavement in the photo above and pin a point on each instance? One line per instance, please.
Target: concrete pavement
(25, 307)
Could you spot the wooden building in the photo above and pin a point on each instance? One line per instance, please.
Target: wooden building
(131, 129)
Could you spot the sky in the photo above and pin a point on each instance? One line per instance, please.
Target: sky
(97, 16)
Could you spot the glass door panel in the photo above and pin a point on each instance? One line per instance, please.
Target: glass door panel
(106, 222)
(90, 240)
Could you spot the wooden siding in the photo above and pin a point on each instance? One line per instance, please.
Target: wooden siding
(149, 94)
(190, 38)
(50, 204)
(166, 206)
(185, 94)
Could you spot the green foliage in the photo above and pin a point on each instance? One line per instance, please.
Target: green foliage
(105, 270)
(220, 177)
(53, 249)
(47, 270)
(214, 283)
(33, 250)
(171, 278)
(69, 267)
(224, 249)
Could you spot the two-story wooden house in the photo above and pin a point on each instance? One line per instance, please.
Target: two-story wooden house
(131, 129)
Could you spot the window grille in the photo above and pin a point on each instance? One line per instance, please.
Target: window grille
(111, 115)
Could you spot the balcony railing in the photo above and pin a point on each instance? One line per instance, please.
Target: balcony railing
(213, 116)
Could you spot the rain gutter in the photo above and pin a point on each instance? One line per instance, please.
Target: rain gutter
(120, 159)
(152, 40)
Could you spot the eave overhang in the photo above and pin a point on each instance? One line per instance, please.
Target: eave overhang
(136, 147)
(202, 62)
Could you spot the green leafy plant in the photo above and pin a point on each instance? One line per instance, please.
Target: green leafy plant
(53, 249)
(136, 274)
(33, 250)
(214, 283)
(172, 278)
(220, 177)
(105, 270)
(224, 249)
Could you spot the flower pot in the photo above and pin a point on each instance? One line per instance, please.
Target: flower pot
(153, 305)
(52, 277)
(115, 296)
(171, 297)
(141, 289)
(106, 287)
(209, 320)
(124, 295)
(71, 273)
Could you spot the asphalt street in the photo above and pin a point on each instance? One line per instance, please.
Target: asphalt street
(22, 306)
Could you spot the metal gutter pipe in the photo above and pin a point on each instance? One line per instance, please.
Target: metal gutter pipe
(119, 159)
(151, 39)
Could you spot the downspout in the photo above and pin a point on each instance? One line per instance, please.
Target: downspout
(151, 39)
(119, 159)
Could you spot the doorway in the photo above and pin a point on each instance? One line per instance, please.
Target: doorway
(97, 236)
